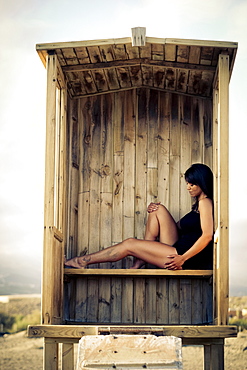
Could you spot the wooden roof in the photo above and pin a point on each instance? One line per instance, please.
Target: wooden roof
(175, 65)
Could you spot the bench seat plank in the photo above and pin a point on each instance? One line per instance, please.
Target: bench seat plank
(139, 272)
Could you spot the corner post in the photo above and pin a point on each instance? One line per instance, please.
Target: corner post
(222, 267)
(49, 201)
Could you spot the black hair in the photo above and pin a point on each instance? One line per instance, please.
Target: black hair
(201, 175)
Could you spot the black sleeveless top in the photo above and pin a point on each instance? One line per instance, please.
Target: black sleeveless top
(190, 230)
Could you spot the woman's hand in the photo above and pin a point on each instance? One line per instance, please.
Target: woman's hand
(153, 207)
(176, 263)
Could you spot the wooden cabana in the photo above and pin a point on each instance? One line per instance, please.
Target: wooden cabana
(125, 118)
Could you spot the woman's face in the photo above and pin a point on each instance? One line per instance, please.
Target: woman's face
(194, 190)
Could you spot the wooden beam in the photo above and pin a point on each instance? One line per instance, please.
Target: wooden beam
(204, 43)
(76, 44)
(136, 62)
(222, 277)
(127, 40)
(181, 331)
(144, 87)
(139, 272)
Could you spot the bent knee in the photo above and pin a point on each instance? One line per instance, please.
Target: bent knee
(129, 241)
(160, 210)
(129, 244)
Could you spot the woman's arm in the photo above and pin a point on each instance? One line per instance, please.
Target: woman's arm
(207, 226)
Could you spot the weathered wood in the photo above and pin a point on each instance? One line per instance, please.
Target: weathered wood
(174, 301)
(134, 62)
(139, 301)
(223, 192)
(116, 301)
(139, 272)
(50, 355)
(162, 303)
(163, 137)
(95, 178)
(118, 150)
(127, 40)
(104, 299)
(186, 147)
(129, 168)
(174, 158)
(141, 164)
(127, 297)
(152, 158)
(54, 187)
(68, 356)
(182, 331)
(107, 157)
(217, 356)
(106, 150)
(185, 302)
(197, 301)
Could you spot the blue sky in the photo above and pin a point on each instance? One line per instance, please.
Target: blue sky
(25, 23)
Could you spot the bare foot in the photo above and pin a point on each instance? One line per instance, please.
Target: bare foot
(137, 264)
(76, 262)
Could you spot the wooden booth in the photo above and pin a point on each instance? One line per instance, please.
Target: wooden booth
(125, 119)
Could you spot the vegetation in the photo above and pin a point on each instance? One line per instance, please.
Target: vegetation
(6, 321)
(18, 313)
(240, 323)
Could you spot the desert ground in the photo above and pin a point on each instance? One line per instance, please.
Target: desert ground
(18, 352)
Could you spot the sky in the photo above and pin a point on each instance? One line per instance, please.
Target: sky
(25, 23)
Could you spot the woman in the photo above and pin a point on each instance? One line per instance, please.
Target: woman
(187, 244)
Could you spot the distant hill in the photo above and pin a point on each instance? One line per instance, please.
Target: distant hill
(238, 303)
(19, 278)
(20, 304)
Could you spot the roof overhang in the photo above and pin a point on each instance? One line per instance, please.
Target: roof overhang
(175, 65)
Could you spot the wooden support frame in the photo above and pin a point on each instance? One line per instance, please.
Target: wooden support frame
(222, 254)
(55, 201)
(211, 337)
(47, 288)
(161, 54)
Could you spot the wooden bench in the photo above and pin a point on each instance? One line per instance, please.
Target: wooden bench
(175, 305)
(144, 296)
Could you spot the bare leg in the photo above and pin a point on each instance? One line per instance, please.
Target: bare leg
(160, 224)
(148, 251)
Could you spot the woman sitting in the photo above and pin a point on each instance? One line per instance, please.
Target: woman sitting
(187, 244)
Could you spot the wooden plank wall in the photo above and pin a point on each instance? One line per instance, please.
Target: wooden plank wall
(126, 150)
(141, 300)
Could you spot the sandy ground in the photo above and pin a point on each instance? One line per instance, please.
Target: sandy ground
(18, 352)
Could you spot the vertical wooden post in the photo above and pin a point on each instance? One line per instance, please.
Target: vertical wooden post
(214, 356)
(68, 356)
(51, 354)
(215, 171)
(62, 169)
(217, 356)
(48, 263)
(223, 193)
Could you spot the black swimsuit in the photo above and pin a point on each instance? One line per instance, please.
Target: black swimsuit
(190, 230)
